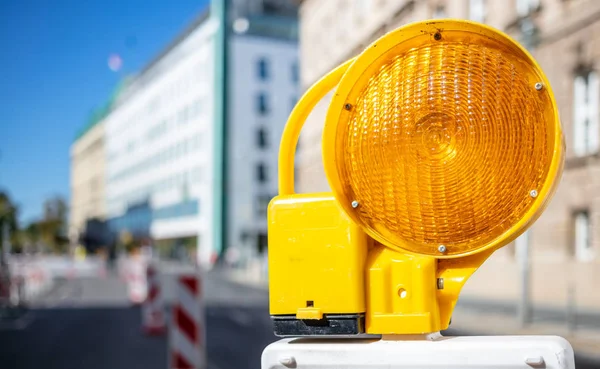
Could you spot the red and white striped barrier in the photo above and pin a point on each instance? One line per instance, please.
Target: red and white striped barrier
(153, 318)
(71, 271)
(102, 270)
(187, 349)
(28, 280)
(135, 275)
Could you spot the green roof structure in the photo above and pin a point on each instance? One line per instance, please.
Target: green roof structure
(98, 114)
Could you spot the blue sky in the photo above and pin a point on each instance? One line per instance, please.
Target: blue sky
(54, 71)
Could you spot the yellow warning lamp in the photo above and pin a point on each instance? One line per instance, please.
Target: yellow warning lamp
(442, 143)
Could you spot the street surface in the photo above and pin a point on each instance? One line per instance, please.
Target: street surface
(88, 323)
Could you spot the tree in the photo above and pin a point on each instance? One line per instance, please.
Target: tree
(31, 236)
(52, 227)
(8, 218)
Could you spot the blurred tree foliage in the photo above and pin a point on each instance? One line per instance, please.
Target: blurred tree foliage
(9, 218)
(47, 233)
(51, 230)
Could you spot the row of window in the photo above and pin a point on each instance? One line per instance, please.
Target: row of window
(264, 73)
(171, 94)
(139, 219)
(183, 116)
(582, 246)
(263, 104)
(163, 157)
(182, 209)
(262, 173)
(180, 180)
(586, 97)
(478, 9)
(262, 203)
(191, 111)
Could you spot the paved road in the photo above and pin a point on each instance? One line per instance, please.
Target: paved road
(88, 323)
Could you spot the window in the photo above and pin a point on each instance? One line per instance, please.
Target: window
(295, 72)
(183, 115)
(262, 243)
(262, 138)
(263, 106)
(263, 69)
(196, 175)
(439, 12)
(586, 91)
(524, 7)
(583, 245)
(196, 108)
(261, 173)
(197, 141)
(477, 10)
(185, 146)
(262, 204)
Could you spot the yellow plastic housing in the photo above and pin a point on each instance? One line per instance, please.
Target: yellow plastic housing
(443, 136)
(316, 257)
(400, 296)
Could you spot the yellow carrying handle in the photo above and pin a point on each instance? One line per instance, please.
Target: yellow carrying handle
(291, 132)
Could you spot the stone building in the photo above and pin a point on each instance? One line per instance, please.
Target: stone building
(562, 249)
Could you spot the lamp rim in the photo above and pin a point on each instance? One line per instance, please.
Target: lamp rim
(341, 104)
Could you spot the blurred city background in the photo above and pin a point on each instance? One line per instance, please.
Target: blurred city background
(148, 131)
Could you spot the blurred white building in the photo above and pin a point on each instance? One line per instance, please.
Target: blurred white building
(192, 139)
(159, 144)
(263, 74)
(87, 177)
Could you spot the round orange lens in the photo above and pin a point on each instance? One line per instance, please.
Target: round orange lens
(443, 142)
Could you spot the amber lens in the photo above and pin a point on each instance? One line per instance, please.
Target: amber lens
(445, 141)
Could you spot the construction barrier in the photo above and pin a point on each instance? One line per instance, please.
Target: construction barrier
(5, 286)
(25, 280)
(187, 347)
(135, 275)
(102, 269)
(153, 318)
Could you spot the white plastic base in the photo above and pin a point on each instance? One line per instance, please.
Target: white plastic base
(429, 351)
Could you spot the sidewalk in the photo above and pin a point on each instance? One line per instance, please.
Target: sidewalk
(474, 316)
(585, 340)
(249, 277)
(486, 317)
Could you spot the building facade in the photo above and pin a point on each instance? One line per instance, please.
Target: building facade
(558, 258)
(88, 165)
(263, 88)
(159, 147)
(191, 153)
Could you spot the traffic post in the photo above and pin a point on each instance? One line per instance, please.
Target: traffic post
(442, 143)
(187, 347)
(137, 284)
(153, 316)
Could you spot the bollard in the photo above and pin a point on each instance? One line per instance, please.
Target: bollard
(153, 318)
(136, 281)
(187, 348)
(102, 269)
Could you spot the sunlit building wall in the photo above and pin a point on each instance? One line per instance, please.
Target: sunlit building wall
(159, 143)
(163, 148)
(87, 177)
(562, 251)
(263, 88)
